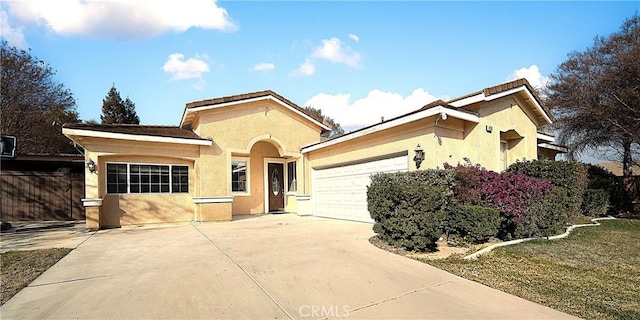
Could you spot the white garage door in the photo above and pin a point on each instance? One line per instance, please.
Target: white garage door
(341, 192)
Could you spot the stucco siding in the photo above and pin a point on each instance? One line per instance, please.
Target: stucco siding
(503, 115)
(135, 209)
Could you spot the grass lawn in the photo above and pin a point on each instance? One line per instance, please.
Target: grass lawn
(594, 273)
(19, 268)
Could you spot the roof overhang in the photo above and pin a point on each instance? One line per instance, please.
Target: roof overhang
(414, 116)
(545, 137)
(73, 133)
(553, 147)
(189, 113)
(480, 97)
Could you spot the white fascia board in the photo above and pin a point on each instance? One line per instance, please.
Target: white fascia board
(269, 97)
(481, 97)
(553, 147)
(545, 137)
(133, 137)
(467, 101)
(200, 200)
(394, 123)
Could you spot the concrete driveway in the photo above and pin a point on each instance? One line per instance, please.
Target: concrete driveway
(272, 266)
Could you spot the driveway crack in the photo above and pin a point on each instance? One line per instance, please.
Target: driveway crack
(375, 303)
(247, 274)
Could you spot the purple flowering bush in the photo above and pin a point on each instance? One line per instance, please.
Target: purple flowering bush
(513, 195)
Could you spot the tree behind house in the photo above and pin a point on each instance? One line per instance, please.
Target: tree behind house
(34, 106)
(336, 129)
(595, 96)
(115, 110)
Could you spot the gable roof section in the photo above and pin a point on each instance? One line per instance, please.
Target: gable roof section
(517, 86)
(194, 107)
(432, 109)
(134, 132)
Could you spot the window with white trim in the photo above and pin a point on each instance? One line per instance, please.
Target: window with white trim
(292, 177)
(239, 176)
(147, 178)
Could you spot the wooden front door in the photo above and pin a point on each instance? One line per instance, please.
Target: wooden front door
(276, 187)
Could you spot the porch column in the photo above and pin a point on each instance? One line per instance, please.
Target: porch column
(304, 205)
(92, 209)
(212, 209)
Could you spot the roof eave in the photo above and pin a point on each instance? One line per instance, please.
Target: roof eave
(271, 97)
(407, 118)
(480, 97)
(73, 133)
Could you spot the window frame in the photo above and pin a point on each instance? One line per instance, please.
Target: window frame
(247, 181)
(295, 177)
(128, 178)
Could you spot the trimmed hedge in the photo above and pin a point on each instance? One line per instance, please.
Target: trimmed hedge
(571, 176)
(547, 217)
(600, 178)
(414, 209)
(407, 207)
(473, 223)
(513, 195)
(595, 202)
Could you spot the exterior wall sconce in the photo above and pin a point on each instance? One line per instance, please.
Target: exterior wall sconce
(92, 166)
(489, 129)
(419, 157)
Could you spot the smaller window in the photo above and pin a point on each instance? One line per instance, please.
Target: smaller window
(239, 176)
(116, 178)
(292, 177)
(179, 179)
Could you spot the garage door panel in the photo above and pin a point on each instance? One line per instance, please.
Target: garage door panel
(341, 192)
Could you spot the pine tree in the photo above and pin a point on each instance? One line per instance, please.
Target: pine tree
(115, 110)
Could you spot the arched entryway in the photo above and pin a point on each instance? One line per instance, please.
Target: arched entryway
(265, 171)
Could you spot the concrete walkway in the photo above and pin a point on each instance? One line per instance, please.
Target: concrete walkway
(43, 235)
(273, 266)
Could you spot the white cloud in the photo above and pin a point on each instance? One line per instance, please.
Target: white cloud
(305, 70)
(334, 51)
(369, 110)
(354, 37)
(122, 18)
(264, 66)
(532, 74)
(13, 36)
(179, 68)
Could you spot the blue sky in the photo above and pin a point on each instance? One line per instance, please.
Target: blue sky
(358, 61)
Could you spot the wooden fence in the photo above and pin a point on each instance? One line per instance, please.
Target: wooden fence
(43, 196)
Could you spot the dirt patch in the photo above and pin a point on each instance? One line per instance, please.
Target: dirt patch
(443, 250)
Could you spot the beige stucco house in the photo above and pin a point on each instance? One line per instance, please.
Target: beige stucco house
(259, 152)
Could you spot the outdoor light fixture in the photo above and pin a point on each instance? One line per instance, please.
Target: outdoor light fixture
(419, 157)
(92, 166)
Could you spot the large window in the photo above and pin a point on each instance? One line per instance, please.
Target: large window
(292, 178)
(147, 178)
(239, 176)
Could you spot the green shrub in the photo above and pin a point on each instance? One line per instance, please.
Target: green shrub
(600, 178)
(595, 202)
(546, 217)
(571, 176)
(407, 207)
(473, 223)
